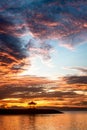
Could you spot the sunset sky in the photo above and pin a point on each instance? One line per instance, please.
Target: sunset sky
(43, 53)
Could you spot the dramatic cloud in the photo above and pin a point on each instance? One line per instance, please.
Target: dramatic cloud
(58, 19)
(29, 28)
(24, 25)
(66, 91)
(23, 87)
(76, 79)
(20, 92)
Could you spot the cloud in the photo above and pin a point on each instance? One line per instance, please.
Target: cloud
(83, 103)
(58, 19)
(25, 28)
(83, 70)
(26, 25)
(39, 89)
(11, 53)
(76, 79)
(23, 80)
(39, 48)
(33, 91)
(22, 87)
(20, 92)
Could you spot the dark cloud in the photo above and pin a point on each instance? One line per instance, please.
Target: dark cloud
(33, 91)
(11, 52)
(20, 92)
(61, 94)
(12, 46)
(58, 19)
(76, 79)
(84, 103)
(40, 20)
(81, 103)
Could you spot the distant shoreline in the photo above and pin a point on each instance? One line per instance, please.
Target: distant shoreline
(29, 111)
(72, 109)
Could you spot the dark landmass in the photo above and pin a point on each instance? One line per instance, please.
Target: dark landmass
(28, 111)
(67, 108)
(72, 109)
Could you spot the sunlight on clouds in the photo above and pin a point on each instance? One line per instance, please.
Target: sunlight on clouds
(35, 43)
(39, 67)
(11, 99)
(85, 93)
(79, 92)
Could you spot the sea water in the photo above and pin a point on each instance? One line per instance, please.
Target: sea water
(66, 121)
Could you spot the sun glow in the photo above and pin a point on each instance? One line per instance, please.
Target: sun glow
(11, 99)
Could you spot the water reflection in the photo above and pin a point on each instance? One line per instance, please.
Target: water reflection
(32, 121)
(66, 121)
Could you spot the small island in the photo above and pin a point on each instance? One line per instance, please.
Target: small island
(31, 110)
(28, 111)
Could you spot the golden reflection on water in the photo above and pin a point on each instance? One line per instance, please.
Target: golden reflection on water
(66, 121)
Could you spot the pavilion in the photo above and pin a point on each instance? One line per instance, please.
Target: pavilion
(32, 104)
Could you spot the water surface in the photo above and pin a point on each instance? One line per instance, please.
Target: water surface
(66, 121)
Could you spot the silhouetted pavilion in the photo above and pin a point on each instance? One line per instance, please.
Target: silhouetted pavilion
(32, 104)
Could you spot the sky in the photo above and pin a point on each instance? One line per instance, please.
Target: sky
(43, 52)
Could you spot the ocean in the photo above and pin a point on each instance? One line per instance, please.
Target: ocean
(67, 121)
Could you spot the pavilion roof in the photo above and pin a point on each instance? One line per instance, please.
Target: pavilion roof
(32, 103)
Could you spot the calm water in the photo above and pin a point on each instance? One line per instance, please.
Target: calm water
(66, 121)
